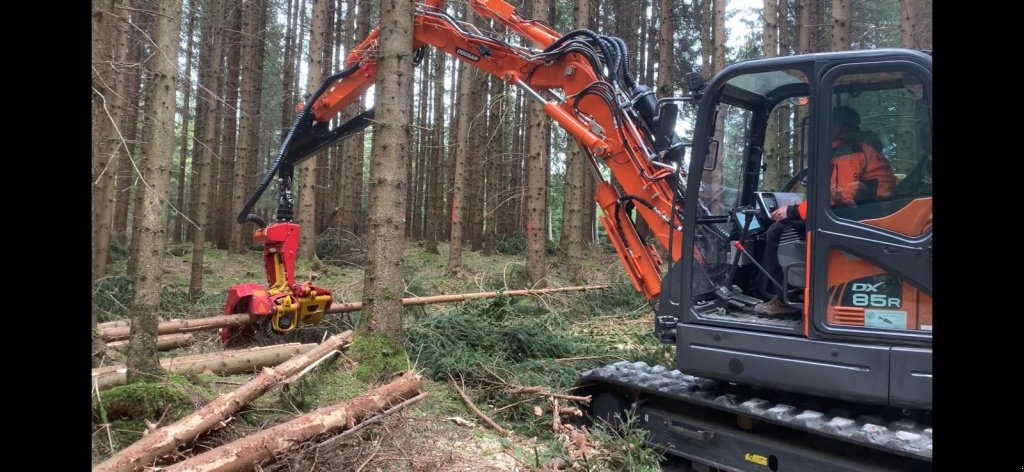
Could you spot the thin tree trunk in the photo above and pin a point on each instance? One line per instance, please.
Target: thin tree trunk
(707, 47)
(148, 274)
(355, 146)
(842, 14)
(770, 43)
(423, 135)
(224, 224)
(308, 170)
(186, 84)
(248, 123)
(495, 152)
(288, 69)
(462, 145)
(202, 162)
(166, 440)
(384, 280)
(434, 198)
(129, 125)
(712, 192)
(323, 158)
(536, 177)
(575, 174)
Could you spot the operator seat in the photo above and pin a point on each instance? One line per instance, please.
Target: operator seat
(793, 252)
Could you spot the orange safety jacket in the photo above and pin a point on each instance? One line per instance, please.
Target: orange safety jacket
(859, 173)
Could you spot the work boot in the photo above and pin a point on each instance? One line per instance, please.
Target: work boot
(775, 308)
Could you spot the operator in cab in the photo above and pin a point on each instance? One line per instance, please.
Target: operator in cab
(860, 173)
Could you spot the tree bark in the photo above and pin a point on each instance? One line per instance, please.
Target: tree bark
(166, 440)
(385, 270)
(265, 445)
(435, 200)
(223, 225)
(916, 24)
(771, 155)
(536, 179)
(109, 54)
(666, 45)
(354, 151)
(163, 343)
(221, 363)
(202, 162)
(462, 145)
(249, 112)
(803, 26)
(841, 16)
(323, 158)
(129, 127)
(576, 172)
(308, 170)
(179, 202)
(288, 69)
(148, 273)
(712, 194)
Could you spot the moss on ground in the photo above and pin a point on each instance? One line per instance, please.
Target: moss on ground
(378, 356)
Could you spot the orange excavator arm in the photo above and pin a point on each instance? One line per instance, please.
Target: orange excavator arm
(601, 109)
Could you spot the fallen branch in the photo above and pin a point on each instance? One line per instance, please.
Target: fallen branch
(225, 362)
(247, 452)
(569, 411)
(374, 419)
(469, 403)
(543, 391)
(167, 439)
(163, 343)
(118, 332)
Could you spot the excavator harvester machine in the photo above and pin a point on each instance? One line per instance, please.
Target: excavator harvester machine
(837, 374)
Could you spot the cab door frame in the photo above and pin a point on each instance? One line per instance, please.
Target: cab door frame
(909, 258)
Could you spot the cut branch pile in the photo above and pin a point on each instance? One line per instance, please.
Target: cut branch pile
(247, 452)
(167, 439)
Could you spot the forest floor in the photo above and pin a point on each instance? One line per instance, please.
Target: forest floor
(544, 342)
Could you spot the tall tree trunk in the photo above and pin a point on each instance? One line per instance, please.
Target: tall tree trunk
(342, 34)
(496, 152)
(323, 158)
(423, 136)
(144, 47)
(576, 172)
(817, 25)
(224, 224)
(308, 170)
(449, 165)
(536, 178)
(384, 284)
(142, 361)
(666, 45)
(179, 201)
(462, 144)
(770, 43)
(109, 52)
(249, 111)
(129, 126)
(202, 162)
(354, 152)
(651, 43)
(785, 39)
(434, 198)
(288, 69)
(842, 14)
(707, 46)
(712, 192)
(803, 27)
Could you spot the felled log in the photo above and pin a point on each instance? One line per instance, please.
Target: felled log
(215, 322)
(163, 343)
(225, 362)
(247, 452)
(180, 326)
(166, 440)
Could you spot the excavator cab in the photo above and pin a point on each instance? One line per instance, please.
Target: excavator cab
(857, 275)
